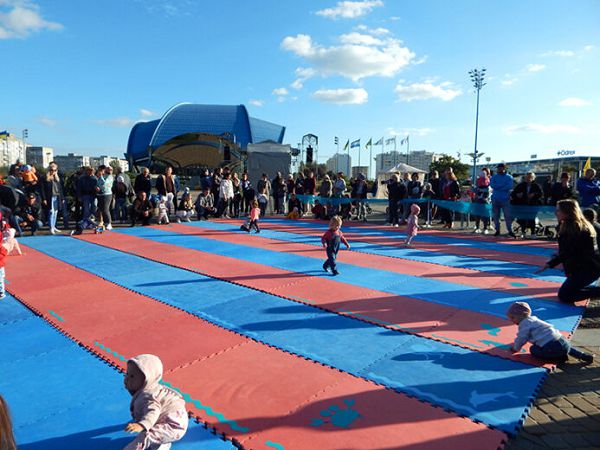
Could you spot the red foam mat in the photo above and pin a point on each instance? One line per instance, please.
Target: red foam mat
(262, 396)
(530, 287)
(380, 308)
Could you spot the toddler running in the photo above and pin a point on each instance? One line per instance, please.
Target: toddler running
(412, 225)
(331, 243)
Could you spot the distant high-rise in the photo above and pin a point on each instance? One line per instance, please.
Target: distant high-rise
(12, 149)
(39, 156)
(340, 162)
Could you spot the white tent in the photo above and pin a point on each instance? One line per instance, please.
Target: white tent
(403, 168)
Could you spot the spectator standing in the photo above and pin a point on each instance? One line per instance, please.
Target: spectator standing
(589, 189)
(279, 190)
(310, 188)
(121, 196)
(360, 193)
(234, 209)
(205, 180)
(225, 196)
(450, 193)
(290, 186)
(166, 188)
(105, 196)
(561, 190)
(53, 198)
(396, 191)
(326, 188)
(216, 182)
(501, 184)
(481, 198)
(143, 182)
(264, 187)
(248, 193)
(86, 191)
(527, 193)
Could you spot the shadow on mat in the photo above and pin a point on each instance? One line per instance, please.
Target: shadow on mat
(107, 438)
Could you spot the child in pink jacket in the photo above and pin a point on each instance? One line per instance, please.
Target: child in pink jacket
(412, 225)
(158, 412)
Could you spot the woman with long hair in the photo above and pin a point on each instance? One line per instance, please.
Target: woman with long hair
(7, 439)
(450, 193)
(577, 252)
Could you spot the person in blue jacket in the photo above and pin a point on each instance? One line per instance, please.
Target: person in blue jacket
(501, 184)
(589, 189)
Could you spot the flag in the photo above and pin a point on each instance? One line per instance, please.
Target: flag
(588, 164)
(336, 141)
(379, 142)
(347, 144)
(355, 143)
(390, 141)
(404, 141)
(370, 143)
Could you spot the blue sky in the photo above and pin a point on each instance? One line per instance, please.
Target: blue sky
(79, 74)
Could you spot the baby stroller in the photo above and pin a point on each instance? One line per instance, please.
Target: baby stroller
(539, 229)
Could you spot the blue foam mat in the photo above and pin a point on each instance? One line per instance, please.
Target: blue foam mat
(62, 397)
(12, 310)
(409, 254)
(242, 315)
(564, 317)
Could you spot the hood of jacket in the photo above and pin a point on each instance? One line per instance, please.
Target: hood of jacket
(152, 368)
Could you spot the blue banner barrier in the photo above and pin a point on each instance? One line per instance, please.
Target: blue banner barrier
(517, 212)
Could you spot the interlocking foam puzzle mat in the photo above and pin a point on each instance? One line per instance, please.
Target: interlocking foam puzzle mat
(407, 348)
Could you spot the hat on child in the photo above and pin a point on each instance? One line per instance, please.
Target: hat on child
(519, 309)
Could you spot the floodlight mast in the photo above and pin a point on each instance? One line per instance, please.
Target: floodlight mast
(477, 78)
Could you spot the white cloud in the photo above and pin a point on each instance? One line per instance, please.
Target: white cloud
(426, 91)
(410, 131)
(256, 102)
(535, 67)
(360, 39)
(47, 121)
(342, 96)
(297, 84)
(563, 53)
(116, 122)
(280, 91)
(145, 113)
(543, 129)
(22, 19)
(353, 61)
(589, 48)
(508, 80)
(349, 9)
(574, 101)
(375, 31)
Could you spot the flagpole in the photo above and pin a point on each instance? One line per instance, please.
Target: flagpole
(407, 148)
(358, 156)
(370, 157)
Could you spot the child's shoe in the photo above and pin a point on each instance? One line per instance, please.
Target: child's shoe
(335, 272)
(587, 358)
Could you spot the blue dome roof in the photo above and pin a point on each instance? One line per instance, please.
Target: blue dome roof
(192, 118)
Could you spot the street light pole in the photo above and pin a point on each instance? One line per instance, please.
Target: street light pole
(477, 77)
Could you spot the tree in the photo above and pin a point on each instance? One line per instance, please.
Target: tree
(114, 164)
(461, 170)
(319, 169)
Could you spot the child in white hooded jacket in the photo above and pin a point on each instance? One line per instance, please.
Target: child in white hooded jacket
(158, 412)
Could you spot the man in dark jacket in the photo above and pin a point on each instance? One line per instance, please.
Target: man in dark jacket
(86, 192)
(143, 182)
(28, 215)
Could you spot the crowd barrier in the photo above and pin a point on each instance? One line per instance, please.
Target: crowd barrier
(517, 212)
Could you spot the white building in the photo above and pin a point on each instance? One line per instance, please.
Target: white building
(11, 149)
(340, 162)
(96, 161)
(385, 161)
(359, 169)
(422, 159)
(71, 162)
(39, 156)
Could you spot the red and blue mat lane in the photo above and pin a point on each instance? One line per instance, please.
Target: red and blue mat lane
(98, 308)
(404, 314)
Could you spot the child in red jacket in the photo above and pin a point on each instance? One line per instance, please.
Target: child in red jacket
(331, 243)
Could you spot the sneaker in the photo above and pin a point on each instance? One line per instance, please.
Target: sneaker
(588, 358)
(486, 231)
(477, 231)
(497, 233)
(396, 225)
(2, 296)
(335, 272)
(109, 226)
(178, 220)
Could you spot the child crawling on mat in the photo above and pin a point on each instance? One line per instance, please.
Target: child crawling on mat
(158, 412)
(331, 243)
(547, 341)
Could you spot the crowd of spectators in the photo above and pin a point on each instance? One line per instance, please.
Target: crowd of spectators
(104, 196)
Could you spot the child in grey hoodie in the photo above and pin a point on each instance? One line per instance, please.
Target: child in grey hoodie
(158, 412)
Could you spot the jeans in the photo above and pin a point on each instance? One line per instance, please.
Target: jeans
(53, 212)
(556, 350)
(104, 208)
(88, 204)
(120, 212)
(392, 211)
(333, 247)
(577, 287)
(501, 205)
